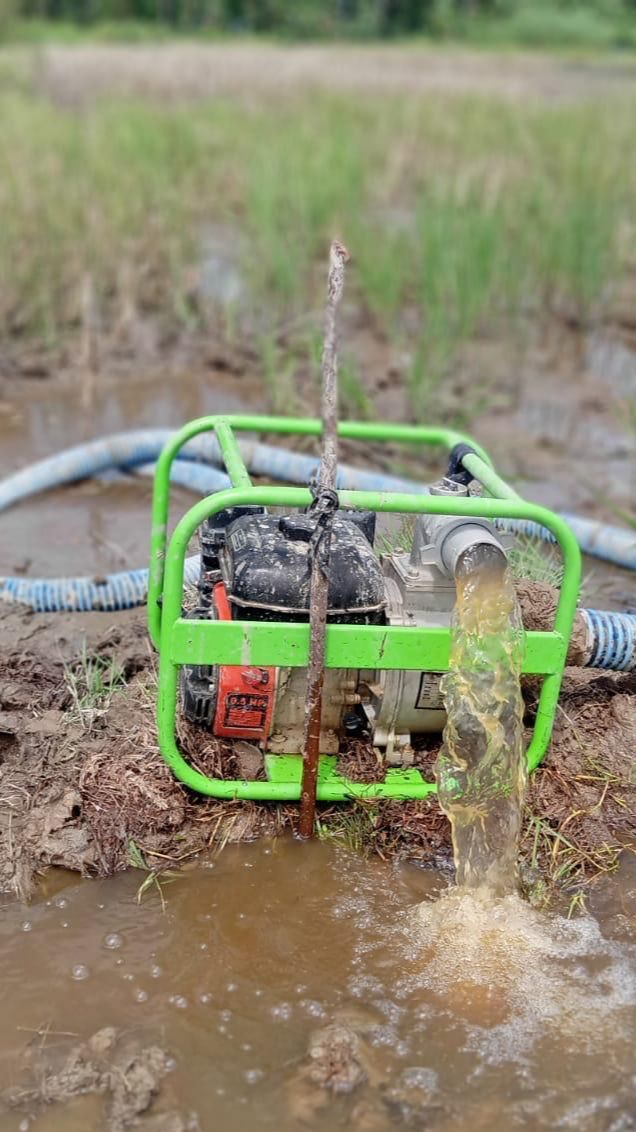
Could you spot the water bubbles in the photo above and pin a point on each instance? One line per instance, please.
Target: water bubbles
(231, 987)
(170, 1064)
(155, 971)
(80, 972)
(178, 1000)
(420, 1077)
(64, 923)
(225, 1015)
(120, 962)
(203, 947)
(205, 998)
(282, 1012)
(61, 902)
(113, 941)
(253, 1076)
(247, 1047)
(383, 1036)
(128, 977)
(141, 995)
(312, 1008)
(391, 1010)
(27, 926)
(362, 986)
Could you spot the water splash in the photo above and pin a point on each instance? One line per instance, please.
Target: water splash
(481, 769)
(515, 975)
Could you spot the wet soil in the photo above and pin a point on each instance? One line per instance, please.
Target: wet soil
(83, 785)
(79, 74)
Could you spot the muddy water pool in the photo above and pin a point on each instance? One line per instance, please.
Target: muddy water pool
(98, 526)
(467, 1016)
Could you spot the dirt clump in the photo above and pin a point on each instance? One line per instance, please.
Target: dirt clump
(336, 1062)
(335, 1059)
(538, 602)
(125, 1072)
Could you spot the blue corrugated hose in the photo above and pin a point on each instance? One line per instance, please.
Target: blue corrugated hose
(611, 636)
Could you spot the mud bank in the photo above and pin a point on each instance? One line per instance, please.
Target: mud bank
(83, 786)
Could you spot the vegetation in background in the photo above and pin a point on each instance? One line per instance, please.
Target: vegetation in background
(534, 23)
(463, 214)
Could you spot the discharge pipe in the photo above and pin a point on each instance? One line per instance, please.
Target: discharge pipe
(451, 536)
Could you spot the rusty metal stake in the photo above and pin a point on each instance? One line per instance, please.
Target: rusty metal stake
(326, 502)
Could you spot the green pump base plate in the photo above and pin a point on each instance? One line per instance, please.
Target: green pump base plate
(332, 787)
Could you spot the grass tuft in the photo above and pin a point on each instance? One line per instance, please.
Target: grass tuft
(535, 560)
(91, 683)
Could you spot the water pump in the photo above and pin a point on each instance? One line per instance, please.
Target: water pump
(238, 653)
(256, 567)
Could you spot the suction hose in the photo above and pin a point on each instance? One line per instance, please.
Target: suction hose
(132, 452)
(611, 636)
(600, 540)
(610, 639)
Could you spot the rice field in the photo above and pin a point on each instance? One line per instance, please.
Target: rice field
(466, 212)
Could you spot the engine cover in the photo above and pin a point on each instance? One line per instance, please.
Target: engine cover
(266, 566)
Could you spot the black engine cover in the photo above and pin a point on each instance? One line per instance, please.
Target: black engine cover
(266, 567)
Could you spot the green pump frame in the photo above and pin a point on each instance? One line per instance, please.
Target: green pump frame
(283, 644)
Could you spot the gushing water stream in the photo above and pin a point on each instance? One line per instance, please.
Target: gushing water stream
(481, 769)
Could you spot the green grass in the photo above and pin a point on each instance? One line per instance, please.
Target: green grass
(546, 24)
(351, 827)
(535, 560)
(464, 215)
(91, 683)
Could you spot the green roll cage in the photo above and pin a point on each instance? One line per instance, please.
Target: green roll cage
(282, 644)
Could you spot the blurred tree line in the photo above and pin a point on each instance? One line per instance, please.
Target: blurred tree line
(550, 20)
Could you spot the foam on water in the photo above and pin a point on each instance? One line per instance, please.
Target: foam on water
(514, 973)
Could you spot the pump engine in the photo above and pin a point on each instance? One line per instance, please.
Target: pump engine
(257, 566)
